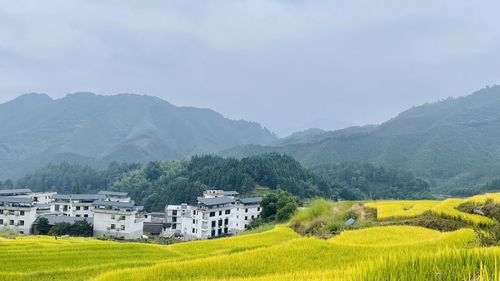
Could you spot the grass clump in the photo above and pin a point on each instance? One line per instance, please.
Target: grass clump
(322, 218)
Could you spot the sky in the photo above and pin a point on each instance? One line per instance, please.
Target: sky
(286, 64)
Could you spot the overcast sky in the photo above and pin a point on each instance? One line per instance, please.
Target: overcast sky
(283, 63)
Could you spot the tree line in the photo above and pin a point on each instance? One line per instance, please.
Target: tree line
(156, 183)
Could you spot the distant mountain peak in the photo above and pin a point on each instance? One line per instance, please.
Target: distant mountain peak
(104, 128)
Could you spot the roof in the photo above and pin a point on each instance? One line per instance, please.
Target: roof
(231, 193)
(14, 191)
(53, 219)
(79, 196)
(115, 204)
(215, 201)
(7, 199)
(113, 193)
(252, 200)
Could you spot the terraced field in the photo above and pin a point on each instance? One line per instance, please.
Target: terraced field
(400, 209)
(376, 253)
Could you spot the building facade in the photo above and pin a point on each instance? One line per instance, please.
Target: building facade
(121, 220)
(75, 205)
(17, 214)
(217, 214)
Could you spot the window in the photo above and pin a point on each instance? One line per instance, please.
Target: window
(21, 213)
(113, 226)
(220, 222)
(174, 226)
(220, 213)
(219, 232)
(11, 222)
(85, 216)
(56, 207)
(246, 218)
(35, 199)
(122, 227)
(246, 210)
(78, 208)
(193, 230)
(122, 218)
(258, 209)
(225, 230)
(174, 213)
(21, 232)
(228, 212)
(1, 221)
(11, 212)
(194, 212)
(252, 217)
(212, 214)
(77, 216)
(226, 221)
(1, 212)
(174, 219)
(86, 208)
(194, 221)
(213, 233)
(213, 223)
(21, 222)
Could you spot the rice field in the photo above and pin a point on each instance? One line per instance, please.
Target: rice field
(351, 256)
(376, 253)
(401, 209)
(404, 209)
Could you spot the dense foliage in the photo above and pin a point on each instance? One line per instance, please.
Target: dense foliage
(77, 229)
(374, 182)
(156, 183)
(64, 178)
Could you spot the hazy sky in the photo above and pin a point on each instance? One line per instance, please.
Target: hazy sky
(283, 63)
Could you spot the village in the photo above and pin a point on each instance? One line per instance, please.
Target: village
(114, 215)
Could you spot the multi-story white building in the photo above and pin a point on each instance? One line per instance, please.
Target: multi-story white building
(122, 220)
(217, 214)
(17, 214)
(75, 205)
(247, 209)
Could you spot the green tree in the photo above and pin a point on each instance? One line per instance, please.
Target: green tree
(43, 226)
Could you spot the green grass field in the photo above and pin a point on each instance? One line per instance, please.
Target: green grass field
(374, 253)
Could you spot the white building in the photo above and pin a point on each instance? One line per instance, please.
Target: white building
(247, 209)
(122, 220)
(17, 214)
(217, 214)
(74, 205)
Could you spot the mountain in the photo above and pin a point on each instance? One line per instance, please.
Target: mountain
(453, 143)
(96, 130)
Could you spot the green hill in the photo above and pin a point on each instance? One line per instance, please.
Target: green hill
(96, 130)
(454, 143)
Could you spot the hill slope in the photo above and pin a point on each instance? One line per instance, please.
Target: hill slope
(88, 128)
(454, 143)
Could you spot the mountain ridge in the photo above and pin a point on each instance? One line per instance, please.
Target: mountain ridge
(100, 129)
(453, 142)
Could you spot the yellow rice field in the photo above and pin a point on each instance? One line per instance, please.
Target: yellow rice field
(404, 209)
(401, 209)
(401, 253)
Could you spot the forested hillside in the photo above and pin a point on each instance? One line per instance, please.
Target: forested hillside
(454, 144)
(159, 182)
(90, 129)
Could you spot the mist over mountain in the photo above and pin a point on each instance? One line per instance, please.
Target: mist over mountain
(453, 143)
(92, 129)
